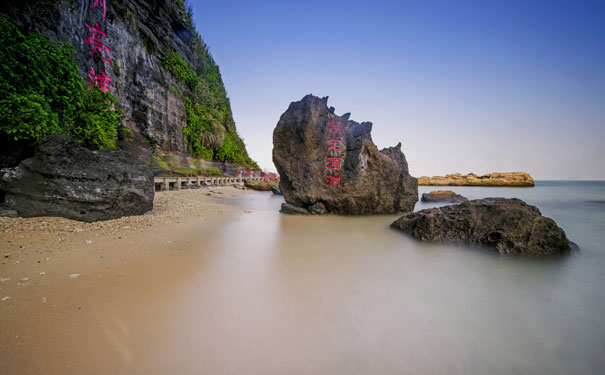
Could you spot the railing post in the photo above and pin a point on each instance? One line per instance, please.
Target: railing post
(199, 181)
(178, 183)
(165, 185)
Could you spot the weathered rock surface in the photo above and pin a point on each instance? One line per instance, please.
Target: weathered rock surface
(65, 179)
(509, 226)
(443, 196)
(287, 208)
(518, 179)
(329, 159)
(258, 185)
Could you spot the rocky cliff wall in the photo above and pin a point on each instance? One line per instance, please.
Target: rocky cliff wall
(140, 34)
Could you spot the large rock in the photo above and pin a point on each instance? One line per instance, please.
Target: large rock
(258, 185)
(329, 159)
(513, 179)
(65, 179)
(509, 226)
(443, 196)
(516, 179)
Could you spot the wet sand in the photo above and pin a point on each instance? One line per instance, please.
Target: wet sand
(64, 284)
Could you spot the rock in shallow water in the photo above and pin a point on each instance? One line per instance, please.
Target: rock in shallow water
(65, 179)
(510, 226)
(287, 208)
(443, 196)
(329, 164)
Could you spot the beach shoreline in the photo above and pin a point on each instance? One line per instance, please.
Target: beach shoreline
(52, 269)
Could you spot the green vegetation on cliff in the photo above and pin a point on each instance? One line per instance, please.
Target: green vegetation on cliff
(41, 93)
(210, 132)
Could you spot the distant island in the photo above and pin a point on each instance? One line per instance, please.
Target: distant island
(515, 179)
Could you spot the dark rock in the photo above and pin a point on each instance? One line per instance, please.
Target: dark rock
(365, 180)
(510, 226)
(7, 212)
(318, 209)
(13, 152)
(287, 208)
(443, 196)
(65, 179)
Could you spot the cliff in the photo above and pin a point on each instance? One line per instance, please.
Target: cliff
(513, 179)
(149, 56)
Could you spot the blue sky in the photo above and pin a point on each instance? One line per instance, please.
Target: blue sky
(466, 86)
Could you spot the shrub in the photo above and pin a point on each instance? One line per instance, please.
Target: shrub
(177, 66)
(41, 93)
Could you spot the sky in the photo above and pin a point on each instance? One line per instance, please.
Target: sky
(466, 86)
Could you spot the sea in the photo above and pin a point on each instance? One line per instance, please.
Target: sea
(349, 294)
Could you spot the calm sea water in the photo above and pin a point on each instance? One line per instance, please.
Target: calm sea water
(340, 294)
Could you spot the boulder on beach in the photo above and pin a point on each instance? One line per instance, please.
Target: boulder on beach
(287, 208)
(510, 179)
(443, 196)
(65, 179)
(258, 185)
(329, 164)
(510, 226)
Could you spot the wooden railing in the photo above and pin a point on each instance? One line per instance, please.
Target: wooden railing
(176, 183)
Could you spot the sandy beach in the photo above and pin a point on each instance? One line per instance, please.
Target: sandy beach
(52, 270)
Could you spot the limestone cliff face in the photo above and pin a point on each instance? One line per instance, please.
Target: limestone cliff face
(139, 33)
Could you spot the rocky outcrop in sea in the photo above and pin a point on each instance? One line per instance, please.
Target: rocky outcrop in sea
(329, 164)
(512, 179)
(443, 196)
(67, 180)
(509, 226)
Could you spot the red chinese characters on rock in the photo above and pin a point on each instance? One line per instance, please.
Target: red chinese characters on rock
(334, 162)
(95, 40)
(334, 144)
(335, 127)
(102, 81)
(103, 5)
(332, 181)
